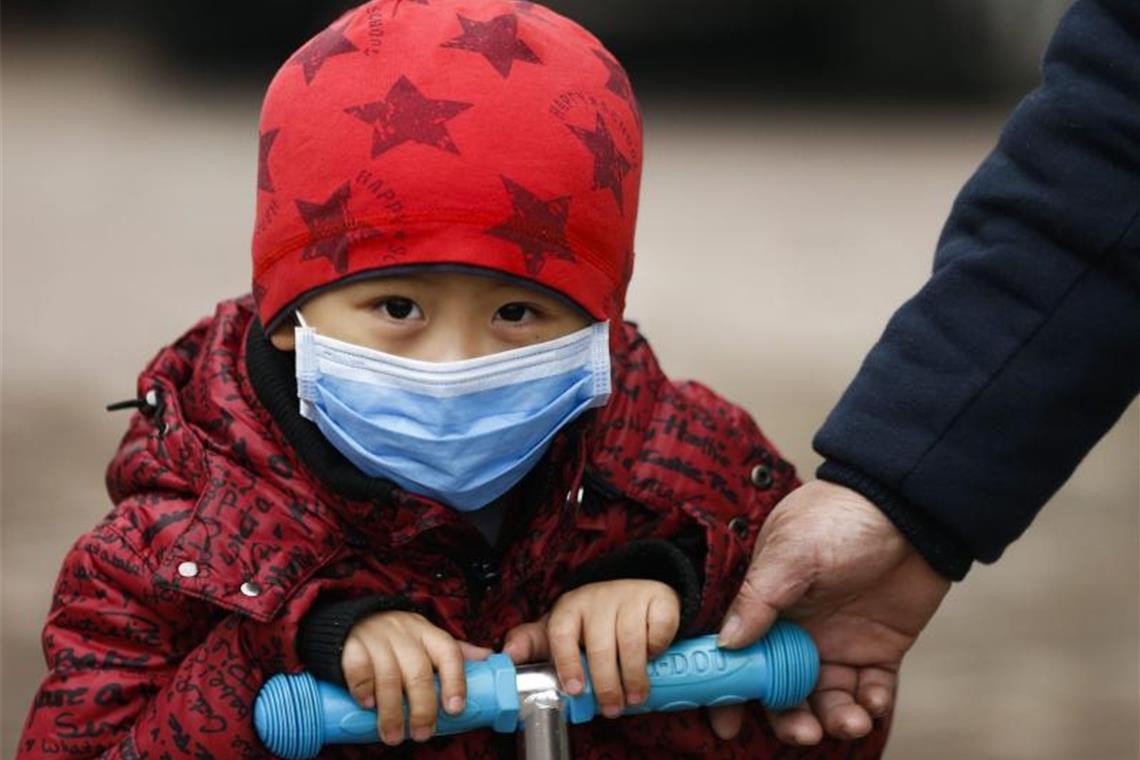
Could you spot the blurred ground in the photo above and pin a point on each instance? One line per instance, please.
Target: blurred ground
(774, 242)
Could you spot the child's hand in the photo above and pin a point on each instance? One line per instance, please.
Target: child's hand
(392, 654)
(626, 622)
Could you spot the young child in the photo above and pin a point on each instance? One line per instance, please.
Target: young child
(428, 434)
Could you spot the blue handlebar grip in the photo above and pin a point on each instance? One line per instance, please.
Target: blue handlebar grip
(779, 670)
(296, 715)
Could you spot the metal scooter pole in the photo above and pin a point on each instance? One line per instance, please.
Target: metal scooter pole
(542, 714)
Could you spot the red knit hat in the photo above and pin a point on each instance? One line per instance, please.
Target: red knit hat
(480, 133)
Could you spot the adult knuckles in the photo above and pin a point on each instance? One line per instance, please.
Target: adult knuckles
(750, 593)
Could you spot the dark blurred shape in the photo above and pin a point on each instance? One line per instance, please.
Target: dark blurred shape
(207, 37)
(894, 48)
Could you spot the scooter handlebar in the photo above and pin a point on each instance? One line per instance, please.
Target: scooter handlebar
(296, 715)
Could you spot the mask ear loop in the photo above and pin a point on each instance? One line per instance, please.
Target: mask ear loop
(306, 366)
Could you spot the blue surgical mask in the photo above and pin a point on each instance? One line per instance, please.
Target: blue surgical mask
(462, 432)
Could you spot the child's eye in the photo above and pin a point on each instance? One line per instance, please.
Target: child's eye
(515, 312)
(401, 308)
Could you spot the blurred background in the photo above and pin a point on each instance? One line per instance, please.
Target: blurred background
(805, 152)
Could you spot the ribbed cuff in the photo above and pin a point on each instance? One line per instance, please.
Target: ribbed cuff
(323, 631)
(948, 555)
(652, 560)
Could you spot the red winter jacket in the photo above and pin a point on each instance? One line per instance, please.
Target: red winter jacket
(170, 614)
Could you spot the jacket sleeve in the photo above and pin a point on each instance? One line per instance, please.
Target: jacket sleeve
(992, 383)
(137, 669)
(324, 629)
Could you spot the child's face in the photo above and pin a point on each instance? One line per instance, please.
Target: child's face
(436, 316)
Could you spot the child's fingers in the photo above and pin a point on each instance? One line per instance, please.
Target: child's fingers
(389, 691)
(631, 641)
(564, 631)
(601, 654)
(448, 658)
(473, 651)
(527, 643)
(419, 687)
(356, 664)
(662, 620)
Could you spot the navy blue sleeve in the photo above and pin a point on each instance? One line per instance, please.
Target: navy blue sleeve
(991, 384)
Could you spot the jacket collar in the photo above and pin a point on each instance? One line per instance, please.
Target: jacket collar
(257, 529)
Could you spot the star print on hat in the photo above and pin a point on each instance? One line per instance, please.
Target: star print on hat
(405, 114)
(492, 134)
(496, 40)
(331, 228)
(312, 56)
(610, 166)
(537, 227)
(264, 180)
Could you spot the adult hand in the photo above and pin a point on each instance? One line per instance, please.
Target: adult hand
(831, 560)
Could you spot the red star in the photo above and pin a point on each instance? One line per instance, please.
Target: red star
(405, 114)
(325, 45)
(538, 227)
(618, 82)
(496, 40)
(610, 166)
(265, 144)
(332, 229)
